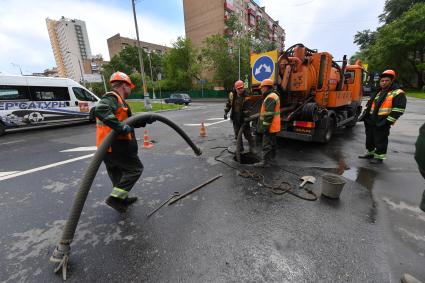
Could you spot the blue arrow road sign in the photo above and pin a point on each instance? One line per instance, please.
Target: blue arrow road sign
(263, 68)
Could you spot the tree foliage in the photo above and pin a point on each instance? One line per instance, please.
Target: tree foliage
(365, 38)
(393, 9)
(180, 65)
(398, 44)
(222, 53)
(127, 61)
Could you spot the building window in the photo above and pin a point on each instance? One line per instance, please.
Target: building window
(251, 20)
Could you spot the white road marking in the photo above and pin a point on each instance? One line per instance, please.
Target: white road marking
(85, 148)
(12, 142)
(205, 124)
(7, 173)
(214, 119)
(44, 167)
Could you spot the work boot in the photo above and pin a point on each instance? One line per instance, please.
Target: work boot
(407, 278)
(366, 156)
(376, 161)
(117, 204)
(129, 200)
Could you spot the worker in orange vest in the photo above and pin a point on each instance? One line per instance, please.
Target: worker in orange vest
(269, 120)
(122, 162)
(382, 111)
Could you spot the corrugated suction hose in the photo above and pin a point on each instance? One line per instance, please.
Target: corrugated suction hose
(61, 253)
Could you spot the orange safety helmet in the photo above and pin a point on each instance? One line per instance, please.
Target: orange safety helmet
(267, 82)
(388, 73)
(239, 84)
(120, 76)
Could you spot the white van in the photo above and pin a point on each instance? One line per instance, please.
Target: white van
(27, 101)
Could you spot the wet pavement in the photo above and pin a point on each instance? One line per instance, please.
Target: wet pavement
(234, 229)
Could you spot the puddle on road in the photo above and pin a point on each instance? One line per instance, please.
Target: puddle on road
(361, 175)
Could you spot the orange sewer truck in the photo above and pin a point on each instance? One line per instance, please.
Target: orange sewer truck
(317, 95)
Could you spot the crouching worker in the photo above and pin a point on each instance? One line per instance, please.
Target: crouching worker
(122, 162)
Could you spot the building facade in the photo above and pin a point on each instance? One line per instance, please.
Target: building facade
(117, 43)
(204, 18)
(71, 46)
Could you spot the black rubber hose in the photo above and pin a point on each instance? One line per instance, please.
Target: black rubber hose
(81, 196)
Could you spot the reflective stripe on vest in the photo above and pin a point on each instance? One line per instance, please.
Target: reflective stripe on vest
(103, 130)
(275, 124)
(387, 105)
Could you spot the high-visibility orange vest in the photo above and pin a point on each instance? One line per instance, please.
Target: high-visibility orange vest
(387, 104)
(275, 125)
(103, 130)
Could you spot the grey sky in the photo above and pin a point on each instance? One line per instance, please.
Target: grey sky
(327, 25)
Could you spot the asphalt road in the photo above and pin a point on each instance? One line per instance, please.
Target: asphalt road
(233, 230)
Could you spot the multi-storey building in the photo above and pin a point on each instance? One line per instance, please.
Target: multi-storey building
(117, 43)
(70, 44)
(207, 17)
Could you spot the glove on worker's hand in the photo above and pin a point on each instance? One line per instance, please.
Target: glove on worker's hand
(141, 123)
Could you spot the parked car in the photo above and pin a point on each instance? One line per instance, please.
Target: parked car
(179, 98)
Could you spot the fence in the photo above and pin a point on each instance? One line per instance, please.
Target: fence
(192, 94)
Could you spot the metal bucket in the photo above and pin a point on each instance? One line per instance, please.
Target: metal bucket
(422, 206)
(332, 186)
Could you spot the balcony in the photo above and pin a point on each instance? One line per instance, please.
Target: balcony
(228, 5)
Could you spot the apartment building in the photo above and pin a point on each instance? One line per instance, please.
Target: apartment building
(207, 17)
(71, 46)
(117, 43)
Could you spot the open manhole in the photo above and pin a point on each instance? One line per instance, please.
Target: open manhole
(248, 158)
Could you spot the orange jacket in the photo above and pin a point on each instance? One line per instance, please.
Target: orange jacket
(103, 130)
(274, 125)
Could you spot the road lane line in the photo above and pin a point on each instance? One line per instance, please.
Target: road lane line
(85, 148)
(205, 124)
(12, 142)
(45, 167)
(7, 173)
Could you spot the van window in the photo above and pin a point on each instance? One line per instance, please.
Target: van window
(49, 93)
(82, 94)
(13, 92)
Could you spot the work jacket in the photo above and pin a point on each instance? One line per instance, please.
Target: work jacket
(110, 113)
(385, 107)
(236, 103)
(270, 113)
(420, 150)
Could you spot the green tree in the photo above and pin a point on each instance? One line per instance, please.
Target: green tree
(365, 38)
(401, 45)
(393, 9)
(127, 61)
(221, 53)
(218, 57)
(180, 65)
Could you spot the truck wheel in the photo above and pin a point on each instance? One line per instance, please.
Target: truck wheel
(328, 131)
(356, 112)
(2, 129)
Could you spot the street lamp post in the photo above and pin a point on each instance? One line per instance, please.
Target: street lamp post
(81, 69)
(150, 65)
(148, 105)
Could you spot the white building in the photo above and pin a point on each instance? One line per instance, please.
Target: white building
(71, 46)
